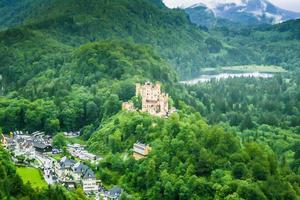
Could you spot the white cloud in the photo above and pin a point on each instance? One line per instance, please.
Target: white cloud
(209, 3)
(287, 4)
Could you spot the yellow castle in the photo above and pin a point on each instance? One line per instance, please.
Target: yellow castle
(153, 100)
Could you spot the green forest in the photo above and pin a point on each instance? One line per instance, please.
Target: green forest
(69, 65)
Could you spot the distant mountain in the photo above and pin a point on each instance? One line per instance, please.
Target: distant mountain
(248, 12)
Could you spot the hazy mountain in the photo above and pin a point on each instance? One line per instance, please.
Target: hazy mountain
(249, 12)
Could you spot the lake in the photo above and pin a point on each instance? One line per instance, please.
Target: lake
(206, 78)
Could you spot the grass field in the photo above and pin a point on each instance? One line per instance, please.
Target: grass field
(75, 140)
(33, 176)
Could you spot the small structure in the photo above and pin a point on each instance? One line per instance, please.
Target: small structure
(72, 134)
(4, 141)
(128, 106)
(140, 150)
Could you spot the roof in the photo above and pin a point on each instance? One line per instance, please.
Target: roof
(80, 168)
(40, 145)
(89, 174)
(115, 191)
(66, 163)
(140, 145)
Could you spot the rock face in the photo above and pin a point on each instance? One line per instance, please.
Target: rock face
(201, 15)
(248, 12)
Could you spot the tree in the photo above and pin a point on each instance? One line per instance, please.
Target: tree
(112, 105)
(239, 170)
(91, 112)
(247, 123)
(52, 126)
(59, 141)
(259, 172)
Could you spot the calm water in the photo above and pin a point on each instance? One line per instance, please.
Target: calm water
(217, 77)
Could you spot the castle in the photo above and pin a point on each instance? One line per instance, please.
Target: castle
(153, 100)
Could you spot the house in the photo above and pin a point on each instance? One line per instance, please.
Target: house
(11, 144)
(63, 168)
(140, 150)
(42, 147)
(78, 170)
(56, 151)
(70, 170)
(70, 184)
(89, 182)
(113, 194)
(87, 177)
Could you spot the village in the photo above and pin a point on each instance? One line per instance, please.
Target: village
(36, 150)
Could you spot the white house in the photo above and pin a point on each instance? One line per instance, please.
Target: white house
(89, 182)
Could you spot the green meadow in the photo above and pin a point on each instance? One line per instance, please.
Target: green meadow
(33, 176)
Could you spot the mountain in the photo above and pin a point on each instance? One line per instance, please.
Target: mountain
(73, 23)
(247, 12)
(201, 15)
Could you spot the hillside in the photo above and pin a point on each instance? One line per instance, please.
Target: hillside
(79, 87)
(274, 45)
(189, 160)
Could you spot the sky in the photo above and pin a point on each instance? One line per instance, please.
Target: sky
(293, 5)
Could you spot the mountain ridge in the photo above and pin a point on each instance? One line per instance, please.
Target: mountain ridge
(247, 12)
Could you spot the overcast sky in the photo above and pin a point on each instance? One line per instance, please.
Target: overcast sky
(293, 5)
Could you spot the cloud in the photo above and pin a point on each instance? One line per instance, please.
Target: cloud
(293, 5)
(186, 3)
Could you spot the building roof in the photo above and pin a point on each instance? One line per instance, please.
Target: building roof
(40, 145)
(80, 168)
(89, 174)
(66, 163)
(115, 192)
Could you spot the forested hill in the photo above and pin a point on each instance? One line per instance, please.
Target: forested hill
(274, 45)
(57, 54)
(186, 47)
